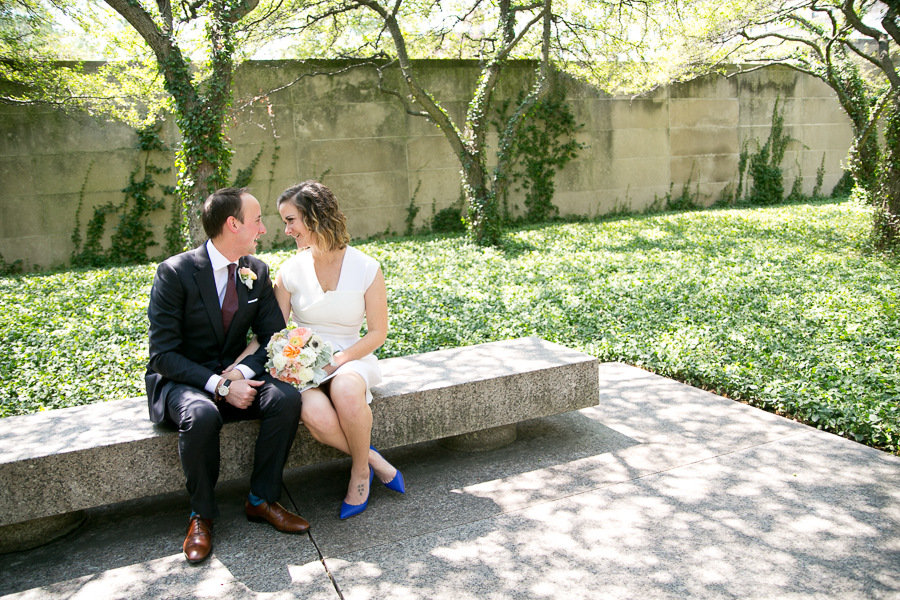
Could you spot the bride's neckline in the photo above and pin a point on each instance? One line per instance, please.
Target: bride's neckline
(337, 283)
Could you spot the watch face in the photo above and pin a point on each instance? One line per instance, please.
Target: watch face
(223, 390)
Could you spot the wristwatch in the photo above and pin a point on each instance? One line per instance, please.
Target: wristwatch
(223, 388)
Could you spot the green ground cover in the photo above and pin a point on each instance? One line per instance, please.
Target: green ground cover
(782, 307)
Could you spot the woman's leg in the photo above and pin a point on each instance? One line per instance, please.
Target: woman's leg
(335, 421)
(319, 416)
(348, 396)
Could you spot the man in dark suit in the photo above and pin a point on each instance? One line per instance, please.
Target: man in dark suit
(202, 305)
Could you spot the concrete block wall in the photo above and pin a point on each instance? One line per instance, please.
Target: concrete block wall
(376, 156)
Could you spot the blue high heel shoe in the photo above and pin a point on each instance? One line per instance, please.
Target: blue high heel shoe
(396, 483)
(351, 510)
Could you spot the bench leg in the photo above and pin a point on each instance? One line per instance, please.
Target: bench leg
(481, 441)
(37, 532)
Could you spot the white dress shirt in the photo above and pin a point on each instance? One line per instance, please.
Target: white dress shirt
(220, 272)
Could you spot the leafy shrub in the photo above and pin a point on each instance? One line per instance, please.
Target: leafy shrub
(448, 220)
(16, 266)
(844, 186)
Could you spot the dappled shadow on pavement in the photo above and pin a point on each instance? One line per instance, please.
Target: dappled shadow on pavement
(137, 545)
(811, 515)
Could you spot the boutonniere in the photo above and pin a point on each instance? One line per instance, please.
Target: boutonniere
(247, 277)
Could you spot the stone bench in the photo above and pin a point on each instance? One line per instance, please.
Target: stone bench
(55, 464)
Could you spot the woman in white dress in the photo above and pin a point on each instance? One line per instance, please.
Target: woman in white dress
(330, 288)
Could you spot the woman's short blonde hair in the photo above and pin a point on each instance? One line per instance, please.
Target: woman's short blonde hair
(320, 213)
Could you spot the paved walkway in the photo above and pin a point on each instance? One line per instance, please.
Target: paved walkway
(662, 491)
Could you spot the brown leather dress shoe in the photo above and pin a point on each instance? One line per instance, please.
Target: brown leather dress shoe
(198, 542)
(280, 518)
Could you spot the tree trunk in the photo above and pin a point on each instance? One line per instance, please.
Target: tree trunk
(204, 159)
(204, 180)
(483, 213)
(886, 227)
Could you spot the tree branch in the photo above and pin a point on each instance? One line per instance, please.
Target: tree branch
(505, 51)
(876, 114)
(406, 106)
(240, 11)
(436, 113)
(369, 63)
(890, 25)
(851, 16)
(165, 10)
(742, 71)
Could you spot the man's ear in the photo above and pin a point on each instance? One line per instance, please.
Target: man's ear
(231, 223)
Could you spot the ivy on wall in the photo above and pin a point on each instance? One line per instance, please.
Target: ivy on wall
(763, 171)
(132, 236)
(546, 144)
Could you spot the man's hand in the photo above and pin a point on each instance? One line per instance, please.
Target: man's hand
(242, 392)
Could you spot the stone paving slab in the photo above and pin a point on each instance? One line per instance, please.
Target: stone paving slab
(794, 518)
(661, 491)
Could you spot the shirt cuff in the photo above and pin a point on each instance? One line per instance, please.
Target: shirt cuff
(212, 383)
(247, 371)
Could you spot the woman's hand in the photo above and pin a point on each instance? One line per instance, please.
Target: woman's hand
(233, 373)
(338, 359)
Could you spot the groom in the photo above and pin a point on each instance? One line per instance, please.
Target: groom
(202, 305)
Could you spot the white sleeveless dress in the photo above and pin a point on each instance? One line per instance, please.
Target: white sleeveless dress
(335, 315)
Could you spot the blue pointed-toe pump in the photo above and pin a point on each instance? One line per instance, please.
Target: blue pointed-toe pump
(351, 510)
(396, 483)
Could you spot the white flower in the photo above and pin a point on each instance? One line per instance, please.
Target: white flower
(247, 277)
(304, 374)
(279, 361)
(307, 357)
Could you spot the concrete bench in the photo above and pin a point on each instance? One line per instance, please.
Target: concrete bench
(55, 464)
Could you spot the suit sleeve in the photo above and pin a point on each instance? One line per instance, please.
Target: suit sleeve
(166, 314)
(269, 321)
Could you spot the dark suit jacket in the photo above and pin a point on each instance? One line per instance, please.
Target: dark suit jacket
(187, 341)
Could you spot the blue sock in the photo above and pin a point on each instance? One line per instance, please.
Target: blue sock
(254, 500)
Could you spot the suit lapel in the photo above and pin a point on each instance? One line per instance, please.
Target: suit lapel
(242, 291)
(206, 284)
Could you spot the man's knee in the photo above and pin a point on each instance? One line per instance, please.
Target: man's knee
(282, 398)
(201, 417)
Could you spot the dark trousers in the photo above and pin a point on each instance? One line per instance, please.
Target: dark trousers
(200, 419)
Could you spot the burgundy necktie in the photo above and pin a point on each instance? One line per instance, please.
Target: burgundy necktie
(230, 304)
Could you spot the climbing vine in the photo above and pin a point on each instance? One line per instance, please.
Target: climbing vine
(765, 164)
(763, 168)
(132, 235)
(886, 224)
(546, 144)
(686, 201)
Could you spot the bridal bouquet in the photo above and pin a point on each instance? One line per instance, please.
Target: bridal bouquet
(297, 355)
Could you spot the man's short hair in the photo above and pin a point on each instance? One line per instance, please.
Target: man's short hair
(220, 205)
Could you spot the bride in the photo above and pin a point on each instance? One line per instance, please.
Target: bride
(330, 287)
